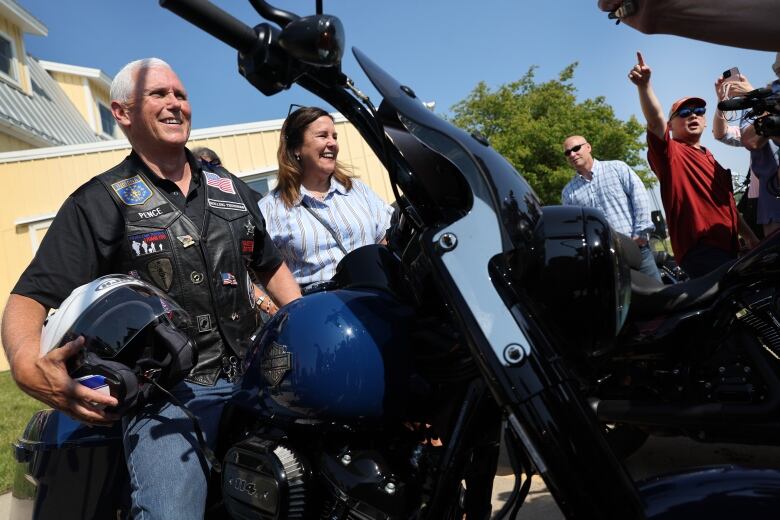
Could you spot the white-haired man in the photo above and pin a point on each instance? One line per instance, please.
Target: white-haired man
(159, 188)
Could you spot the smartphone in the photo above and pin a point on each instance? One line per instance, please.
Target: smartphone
(732, 75)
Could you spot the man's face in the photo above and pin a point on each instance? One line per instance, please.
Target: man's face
(159, 113)
(686, 124)
(578, 152)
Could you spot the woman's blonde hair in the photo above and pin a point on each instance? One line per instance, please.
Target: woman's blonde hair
(290, 168)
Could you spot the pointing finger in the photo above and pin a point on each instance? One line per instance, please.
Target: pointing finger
(639, 59)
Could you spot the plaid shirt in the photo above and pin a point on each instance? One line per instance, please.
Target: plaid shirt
(617, 191)
(359, 217)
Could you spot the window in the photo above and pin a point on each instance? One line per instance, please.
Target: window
(7, 57)
(260, 182)
(107, 121)
(259, 185)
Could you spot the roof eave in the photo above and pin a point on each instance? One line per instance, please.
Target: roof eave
(23, 18)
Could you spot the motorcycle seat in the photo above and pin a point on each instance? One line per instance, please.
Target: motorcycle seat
(650, 298)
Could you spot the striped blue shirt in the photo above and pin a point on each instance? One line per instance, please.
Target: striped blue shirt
(616, 190)
(358, 216)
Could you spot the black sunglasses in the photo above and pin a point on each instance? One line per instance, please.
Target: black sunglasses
(573, 149)
(687, 111)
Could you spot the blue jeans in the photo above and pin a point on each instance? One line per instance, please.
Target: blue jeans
(648, 266)
(168, 473)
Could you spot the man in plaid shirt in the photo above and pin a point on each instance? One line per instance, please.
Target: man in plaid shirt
(615, 189)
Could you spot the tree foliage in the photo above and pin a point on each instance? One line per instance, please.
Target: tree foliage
(527, 122)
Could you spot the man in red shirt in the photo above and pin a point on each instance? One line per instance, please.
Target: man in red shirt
(696, 190)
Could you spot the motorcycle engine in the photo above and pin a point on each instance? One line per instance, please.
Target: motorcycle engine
(263, 479)
(266, 479)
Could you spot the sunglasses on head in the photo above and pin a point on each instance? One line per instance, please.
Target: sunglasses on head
(573, 149)
(687, 111)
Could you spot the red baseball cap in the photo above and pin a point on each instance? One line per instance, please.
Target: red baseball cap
(694, 101)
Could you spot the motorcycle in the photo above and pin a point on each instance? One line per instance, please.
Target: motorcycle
(447, 332)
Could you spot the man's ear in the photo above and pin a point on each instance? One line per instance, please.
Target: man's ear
(121, 113)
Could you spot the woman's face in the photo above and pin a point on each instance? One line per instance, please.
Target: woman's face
(319, 148)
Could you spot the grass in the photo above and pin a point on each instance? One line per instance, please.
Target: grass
(16, 408)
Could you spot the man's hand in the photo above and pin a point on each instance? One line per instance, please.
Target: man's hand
(640, 73)
(641, 242)
(738, 88)
(46, 379)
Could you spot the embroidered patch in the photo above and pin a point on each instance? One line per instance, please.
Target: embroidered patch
(186, 241)
(250, 229)
(247, 246)
(161, 272)
(148, 243)
(226, 204)
(204, 323)
(156, 212)
(229, 279)
(132, 191)
(221, 183)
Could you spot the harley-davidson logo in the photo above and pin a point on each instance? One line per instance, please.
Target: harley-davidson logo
(276, 363)
(242, 485)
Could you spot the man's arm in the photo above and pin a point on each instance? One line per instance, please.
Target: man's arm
(751, 24)
(46, 377)
(651, 107)
(280, 284)
(747, 233)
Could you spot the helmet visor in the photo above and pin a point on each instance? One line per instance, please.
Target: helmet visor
(114, 320)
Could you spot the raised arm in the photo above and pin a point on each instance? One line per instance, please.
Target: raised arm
(651, 107)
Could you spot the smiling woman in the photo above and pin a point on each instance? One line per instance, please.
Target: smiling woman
(318, 212)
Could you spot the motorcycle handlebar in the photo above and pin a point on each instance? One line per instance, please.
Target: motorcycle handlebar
(218, 23)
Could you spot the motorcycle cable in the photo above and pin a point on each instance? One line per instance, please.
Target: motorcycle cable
(204, 448)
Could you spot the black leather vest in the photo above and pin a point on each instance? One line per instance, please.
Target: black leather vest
(202, 268)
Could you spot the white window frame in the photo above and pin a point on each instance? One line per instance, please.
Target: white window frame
(14, 80)
(100, 118)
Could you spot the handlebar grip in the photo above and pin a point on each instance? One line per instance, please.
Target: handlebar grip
(218, 23)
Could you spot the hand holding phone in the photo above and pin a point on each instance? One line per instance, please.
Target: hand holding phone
(732, 75)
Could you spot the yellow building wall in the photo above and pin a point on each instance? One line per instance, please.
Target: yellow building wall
(15, 33)
(37, 187)
(73, 86)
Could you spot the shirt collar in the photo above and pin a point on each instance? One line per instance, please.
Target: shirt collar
(140, 165)
(335, 187)
(592, 171)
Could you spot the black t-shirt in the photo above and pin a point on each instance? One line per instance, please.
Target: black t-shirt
(88, 231)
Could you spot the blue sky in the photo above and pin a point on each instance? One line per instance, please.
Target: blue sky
(441, 48)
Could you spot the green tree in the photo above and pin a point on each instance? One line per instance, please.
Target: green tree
(527, 122)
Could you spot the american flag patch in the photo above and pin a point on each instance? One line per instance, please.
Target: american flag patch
(229, 279)
(222, 184)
